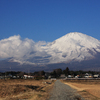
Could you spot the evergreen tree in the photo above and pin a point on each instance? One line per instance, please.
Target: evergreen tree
(66, 71)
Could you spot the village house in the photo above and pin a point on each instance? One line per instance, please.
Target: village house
(87, 75)
(96, 76)
(28, 76)
(62, 76)
(70, 76)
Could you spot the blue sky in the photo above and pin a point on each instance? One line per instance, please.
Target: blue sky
(47, 20)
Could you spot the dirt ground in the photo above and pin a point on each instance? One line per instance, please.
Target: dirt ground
(89, 89)
(21, 89)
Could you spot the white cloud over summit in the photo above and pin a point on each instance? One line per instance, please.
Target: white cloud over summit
(15, 47)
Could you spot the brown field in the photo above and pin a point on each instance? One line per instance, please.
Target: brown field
(21, 89)
(89, 89)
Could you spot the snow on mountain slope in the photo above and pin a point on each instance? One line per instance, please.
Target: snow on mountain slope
(77, 39)
(71, 47)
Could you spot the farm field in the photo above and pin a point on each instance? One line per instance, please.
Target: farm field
(89, 89)
(21, 89)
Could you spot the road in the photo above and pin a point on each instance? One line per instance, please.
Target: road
(64, 92)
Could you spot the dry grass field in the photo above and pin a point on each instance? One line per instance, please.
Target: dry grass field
(89, 89)
(21, 89)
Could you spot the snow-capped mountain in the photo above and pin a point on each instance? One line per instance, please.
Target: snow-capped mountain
(75, 50)
(71, 47)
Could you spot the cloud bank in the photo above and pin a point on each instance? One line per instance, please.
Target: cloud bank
(15, 47)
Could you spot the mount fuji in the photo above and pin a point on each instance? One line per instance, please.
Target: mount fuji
(75, 50)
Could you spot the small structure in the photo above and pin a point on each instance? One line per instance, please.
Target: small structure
(77, 76)
(14, 77)
(88, 75)
(96, 76)
(28, 76)
(70, 76)
(62, 76)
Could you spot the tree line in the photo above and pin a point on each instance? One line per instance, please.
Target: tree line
(56, 73)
